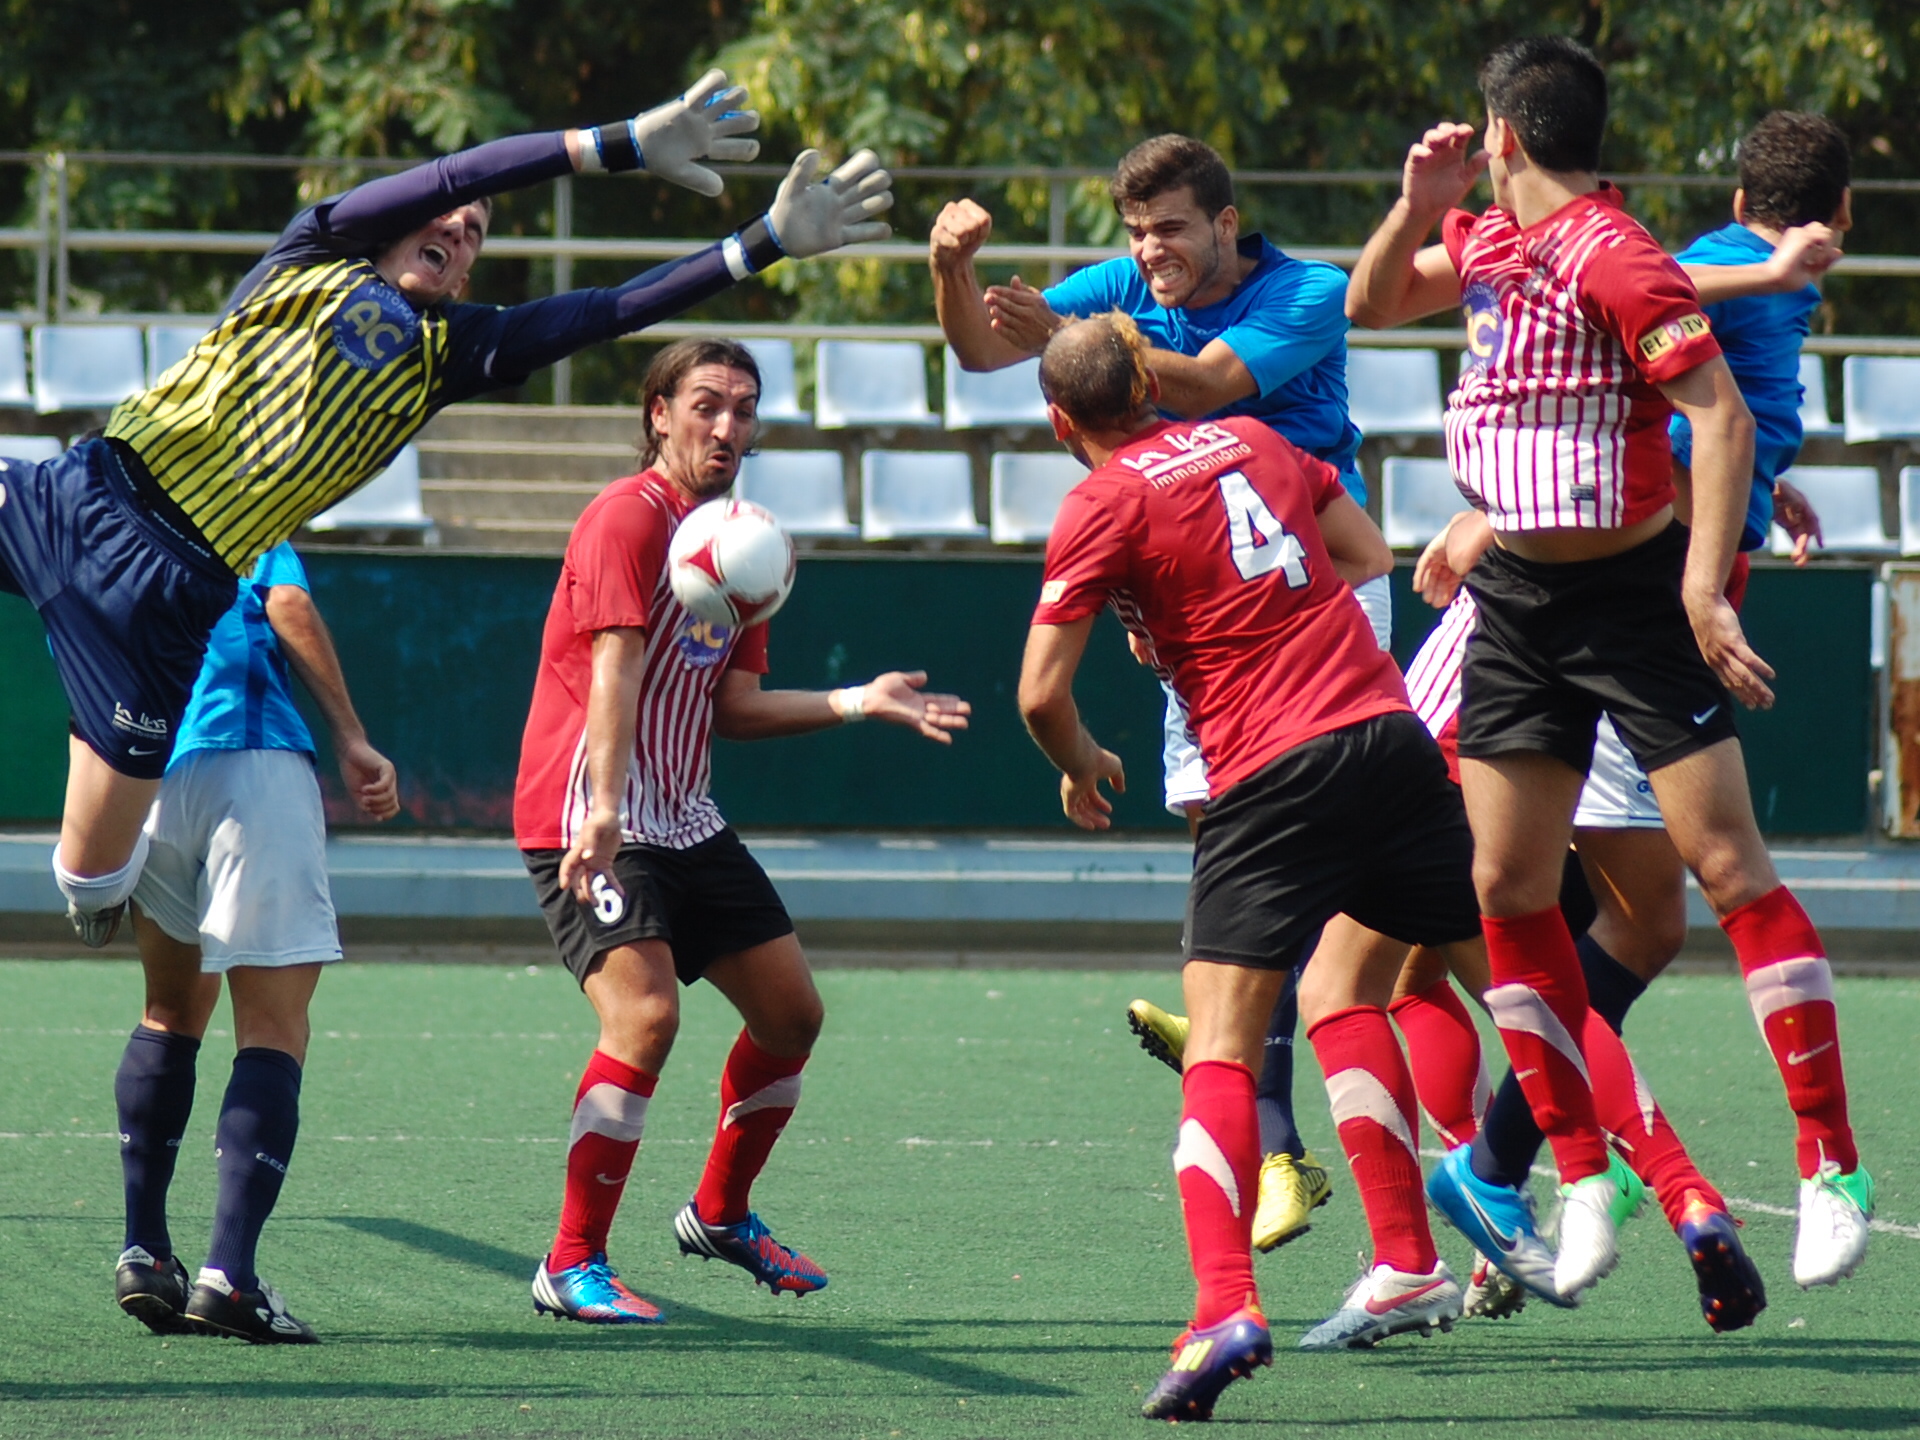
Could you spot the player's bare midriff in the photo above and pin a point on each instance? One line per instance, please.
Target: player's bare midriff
(1566, 545)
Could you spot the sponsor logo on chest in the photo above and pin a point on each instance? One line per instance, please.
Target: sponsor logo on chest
(701, 643)
(374, 326)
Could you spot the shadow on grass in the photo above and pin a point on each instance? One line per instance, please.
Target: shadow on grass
(692, 1327)
(1560, 1355)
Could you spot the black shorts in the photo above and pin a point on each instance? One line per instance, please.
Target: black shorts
(709, 900)
(1362, 821)
(1557, 645)
(127, 600)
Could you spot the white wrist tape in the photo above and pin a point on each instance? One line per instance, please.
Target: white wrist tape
(850, 704)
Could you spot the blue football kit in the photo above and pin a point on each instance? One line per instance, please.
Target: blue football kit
(243, 699)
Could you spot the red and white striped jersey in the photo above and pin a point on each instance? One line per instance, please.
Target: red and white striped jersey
(1572, 323)
(1433, 675)
(614, 577)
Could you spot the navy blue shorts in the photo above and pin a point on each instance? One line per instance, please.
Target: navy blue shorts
(128, 600)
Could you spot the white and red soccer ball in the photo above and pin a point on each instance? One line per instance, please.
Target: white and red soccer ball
(731, 563)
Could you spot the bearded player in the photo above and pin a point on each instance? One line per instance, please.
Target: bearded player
(643, 884)
(1327, 796)
(1583, 338)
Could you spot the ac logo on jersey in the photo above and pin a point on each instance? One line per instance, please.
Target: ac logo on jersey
(1486, 326)
(702, 643)
(374, 326)
(1656, 343)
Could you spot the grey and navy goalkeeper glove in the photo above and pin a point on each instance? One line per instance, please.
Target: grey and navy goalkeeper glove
(706, 123)
(811, 217)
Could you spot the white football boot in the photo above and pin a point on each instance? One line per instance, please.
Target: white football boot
(1386, 1301)
(1834, 1211)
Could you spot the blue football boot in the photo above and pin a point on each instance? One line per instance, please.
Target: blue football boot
(1205, 1362)
(591, 1293)
(751, 1246)
(1497, 1221)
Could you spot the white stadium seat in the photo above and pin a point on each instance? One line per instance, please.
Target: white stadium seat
(870, 382)
(779, 391)
(29, 447)
(13, 365)
(1847, 500)
(1815, 418)
(1026, 493)
(389, 501)
(168, 345)
(87, 367)
(805, 489)
(981, 400)
(1910, 510)
(1882, 399)
(1417, 498)
(1395, 392)
(916, 492)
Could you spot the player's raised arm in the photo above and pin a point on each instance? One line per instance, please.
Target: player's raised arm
(743, 711)
(1396, 279)
(1802, 258)
(961, 228)
(1053, 719)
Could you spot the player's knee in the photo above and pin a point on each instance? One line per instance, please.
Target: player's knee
(1727, 877)
(799, 1029)
(1506, 888)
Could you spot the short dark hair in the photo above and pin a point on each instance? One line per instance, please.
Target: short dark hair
(1096, 371)
(1553, 93)
(672, 366)
(1170, 162)
(1795, 168)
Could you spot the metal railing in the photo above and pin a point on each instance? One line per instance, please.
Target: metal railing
(54, 241)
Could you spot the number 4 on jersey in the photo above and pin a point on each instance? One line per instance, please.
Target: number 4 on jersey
(1260, 542)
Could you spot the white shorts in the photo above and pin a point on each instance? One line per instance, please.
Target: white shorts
(1617, 795)
(1186, 772)
(238, 864)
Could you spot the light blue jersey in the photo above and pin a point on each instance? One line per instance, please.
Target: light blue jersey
(1760, 336)
(1287, 321)
(243, 699)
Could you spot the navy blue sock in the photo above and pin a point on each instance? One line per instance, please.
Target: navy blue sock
(153, 1091)
(1611, 987)
(1509, 1141)
(1273, 1095)
(259, 1119)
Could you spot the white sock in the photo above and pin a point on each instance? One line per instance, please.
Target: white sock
(91, 894)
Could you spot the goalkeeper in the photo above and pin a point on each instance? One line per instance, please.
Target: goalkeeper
(336, 348)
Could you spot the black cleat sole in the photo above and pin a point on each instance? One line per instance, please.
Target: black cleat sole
(1153, 1044)
(1732, 1295)
(156, 1312)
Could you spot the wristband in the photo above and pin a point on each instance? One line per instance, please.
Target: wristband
(761, 243)
(617, 147)
(591, 159)
(849, 704)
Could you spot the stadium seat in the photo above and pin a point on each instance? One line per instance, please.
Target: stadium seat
(389, 501)
(168, 345)
(1910, 510)
(979, 401)
(805, 489)
(29, 447)
(1026, 494)
(13, 365)
(916, 492)
(86, 367)
(1882, 399)
(779, 391)
(870, 382)
(1847, 500)
(1395, 392)
(1815, 418)
(1417, 498)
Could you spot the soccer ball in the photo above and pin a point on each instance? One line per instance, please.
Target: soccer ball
(730, 563)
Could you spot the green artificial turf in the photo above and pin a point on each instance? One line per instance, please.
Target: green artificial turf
(981, 1164)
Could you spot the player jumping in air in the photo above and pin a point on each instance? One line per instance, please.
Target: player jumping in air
(235, 885)
(1583, 337)
(642, 882)
(1227, 549)
(334, 350)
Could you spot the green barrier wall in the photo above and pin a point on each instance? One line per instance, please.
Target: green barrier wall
(440, 652)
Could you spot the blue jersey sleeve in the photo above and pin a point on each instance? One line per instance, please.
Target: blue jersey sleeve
(280, 566)
(1093, 290)
(1286, 334)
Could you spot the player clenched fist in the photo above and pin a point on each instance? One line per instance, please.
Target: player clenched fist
(961, 229)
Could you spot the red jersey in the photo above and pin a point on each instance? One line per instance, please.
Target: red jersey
(1202, 537)
(1571, 325)
(615, 576)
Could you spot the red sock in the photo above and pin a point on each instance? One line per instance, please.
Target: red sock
(1791, 990)
(609, 1112)
(1372, 1096)
(1443, 1051)
(1637, 1126)
(1539, 1001)
(757, 1094)
(1217, 1166)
